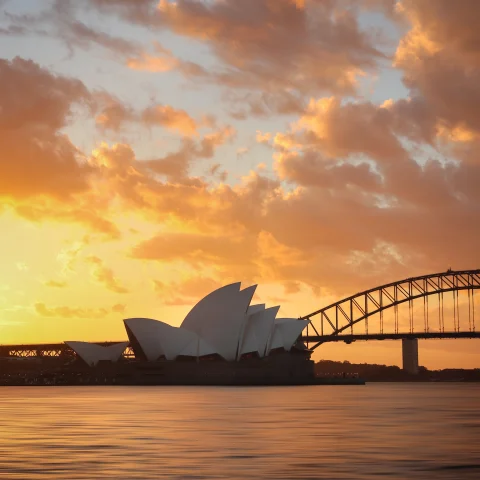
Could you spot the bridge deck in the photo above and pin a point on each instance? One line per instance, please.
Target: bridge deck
(386, 336)
(47, 350)
(61, 349)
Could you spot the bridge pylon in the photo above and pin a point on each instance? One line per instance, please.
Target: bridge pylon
(410, 355)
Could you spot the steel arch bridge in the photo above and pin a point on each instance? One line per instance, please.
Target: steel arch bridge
(336, 322)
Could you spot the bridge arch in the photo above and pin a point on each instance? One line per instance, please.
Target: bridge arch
(331, 322)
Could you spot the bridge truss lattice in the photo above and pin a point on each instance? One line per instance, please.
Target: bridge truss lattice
(336, 321)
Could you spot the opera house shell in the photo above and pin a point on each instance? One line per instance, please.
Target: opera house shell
(222, 326)
(92, 354)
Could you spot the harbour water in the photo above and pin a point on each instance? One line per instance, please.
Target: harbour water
(395, 431)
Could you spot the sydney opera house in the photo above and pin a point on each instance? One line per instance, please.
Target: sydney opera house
(222, 340)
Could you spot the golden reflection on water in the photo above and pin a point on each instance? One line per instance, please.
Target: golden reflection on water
(396, 431)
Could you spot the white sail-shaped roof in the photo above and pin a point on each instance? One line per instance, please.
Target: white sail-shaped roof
(248, 342)
(255, 308)
(291, 331)
(276, 340)
(215, 305)
(157, 338)
(197, 348)
(286, 332)
(91, 353)
(146, 334)
(218, 318)
(259, 327)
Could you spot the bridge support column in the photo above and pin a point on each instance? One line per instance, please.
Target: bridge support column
(410, 355)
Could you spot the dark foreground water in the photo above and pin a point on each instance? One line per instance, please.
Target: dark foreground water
(397, 431)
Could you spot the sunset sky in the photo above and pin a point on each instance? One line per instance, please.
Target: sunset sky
(152, 151)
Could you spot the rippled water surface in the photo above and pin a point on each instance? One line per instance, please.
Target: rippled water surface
(398, 431)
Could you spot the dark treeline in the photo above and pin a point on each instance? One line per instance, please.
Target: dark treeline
(392, 373)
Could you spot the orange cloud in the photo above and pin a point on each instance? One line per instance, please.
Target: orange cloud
(185, 292)
(213, 140)
(440, 64)
(169, 117)
(346, 190)
(35, 106)
(56, 284)
(39, 209)
(104, 275)
(239, 38)
(254, 41)
(262, 137)
(311, 169)
(113, 114)
(441, 26)
(175, 165)
(37, 160)
(336, 210)
(77, 33)
(119, 308)
(264, 104)
(345, 129)
(153, 63)
(61, 22)
(70, 312)
(122, 176)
